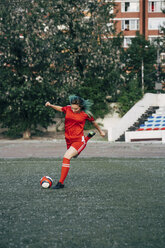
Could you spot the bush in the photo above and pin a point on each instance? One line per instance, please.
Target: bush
(129, 96)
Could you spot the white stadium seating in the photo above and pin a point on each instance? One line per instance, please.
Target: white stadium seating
(153, 129)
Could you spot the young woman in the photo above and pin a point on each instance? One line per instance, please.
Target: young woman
(76, 115)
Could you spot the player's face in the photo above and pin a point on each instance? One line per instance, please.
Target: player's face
(75, 108)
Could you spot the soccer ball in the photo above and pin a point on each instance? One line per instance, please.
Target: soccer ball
(46, 182)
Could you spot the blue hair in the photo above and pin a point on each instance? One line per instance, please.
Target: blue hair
(85, 105)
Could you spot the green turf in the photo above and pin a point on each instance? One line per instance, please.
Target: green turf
(106, 203)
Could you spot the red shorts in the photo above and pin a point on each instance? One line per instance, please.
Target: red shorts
(79, 144)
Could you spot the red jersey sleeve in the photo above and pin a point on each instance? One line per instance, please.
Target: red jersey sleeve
(64, 109)
(90, 118)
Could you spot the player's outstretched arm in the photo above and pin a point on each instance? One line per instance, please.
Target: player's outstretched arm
(57, 108)
(102, 133)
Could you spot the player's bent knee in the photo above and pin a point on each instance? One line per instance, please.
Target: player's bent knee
(70, 153)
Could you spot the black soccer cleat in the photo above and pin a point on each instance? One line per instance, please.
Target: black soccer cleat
(58, 186)
(91, 134)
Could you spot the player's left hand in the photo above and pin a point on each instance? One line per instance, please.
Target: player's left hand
(102, 133)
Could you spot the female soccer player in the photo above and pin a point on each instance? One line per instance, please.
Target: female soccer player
(76, 115)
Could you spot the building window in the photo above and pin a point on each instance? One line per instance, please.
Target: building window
(156, 6)
(156, 23)
(127, 41)
(125, 25)
(153, 40)
(130, 7)
(127, 6)
(130, 24)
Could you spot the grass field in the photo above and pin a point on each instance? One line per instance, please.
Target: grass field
(106, 203)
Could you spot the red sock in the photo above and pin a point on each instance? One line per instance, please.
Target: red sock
(65, 169)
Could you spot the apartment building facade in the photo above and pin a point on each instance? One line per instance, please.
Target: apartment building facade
(144, 16)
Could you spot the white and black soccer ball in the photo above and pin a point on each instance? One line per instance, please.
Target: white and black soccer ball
(46, 182)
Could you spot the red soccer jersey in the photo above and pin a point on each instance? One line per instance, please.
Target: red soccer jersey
(74, 123)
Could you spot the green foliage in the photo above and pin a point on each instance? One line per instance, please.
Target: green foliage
(160, 44)
(50, 50)
(130, 94)
(139, 53)
(141, 50)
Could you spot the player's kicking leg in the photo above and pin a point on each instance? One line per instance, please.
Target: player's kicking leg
(89, 136)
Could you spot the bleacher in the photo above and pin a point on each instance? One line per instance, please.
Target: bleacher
(154, 122)
(141, 117)
(151, 129)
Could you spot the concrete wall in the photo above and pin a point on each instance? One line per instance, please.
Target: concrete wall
(110, 119)
(158, 135)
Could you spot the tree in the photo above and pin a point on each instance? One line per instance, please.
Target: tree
(139, 68)
(50, 49)
(141, 54)
(91, 58)
(24, 70)
(160, 46)
(130, 94)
